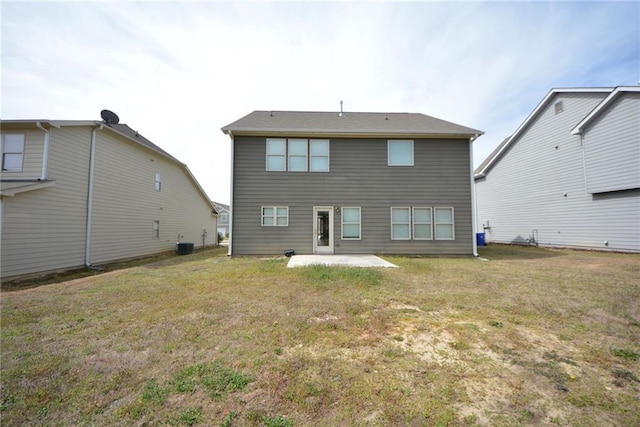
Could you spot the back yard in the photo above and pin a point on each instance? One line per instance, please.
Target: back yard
(532, 337)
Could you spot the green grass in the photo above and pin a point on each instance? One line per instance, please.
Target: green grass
(533, 336)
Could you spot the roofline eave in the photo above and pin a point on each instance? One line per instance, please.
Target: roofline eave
(541, 105)
(356, 134)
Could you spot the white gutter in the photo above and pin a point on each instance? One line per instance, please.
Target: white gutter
(474, 205)
(92, 160)
(45, 153)
(230, 247)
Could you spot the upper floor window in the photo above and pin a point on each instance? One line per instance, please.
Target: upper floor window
(558, 107)
(12, 152)
(224, 217)
(297, 155)
(400, 153)
(158, 182)
(276, 154)
(319, 160)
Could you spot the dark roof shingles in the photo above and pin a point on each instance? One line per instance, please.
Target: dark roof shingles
(348, 122)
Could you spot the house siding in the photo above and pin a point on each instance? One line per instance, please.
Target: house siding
(539, 184)
(45, 229)
(612, 147)
(358, 177)
(122, 221)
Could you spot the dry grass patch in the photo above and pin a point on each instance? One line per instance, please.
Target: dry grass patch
(534, 336)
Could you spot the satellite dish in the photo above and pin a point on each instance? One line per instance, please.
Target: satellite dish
(109, 117)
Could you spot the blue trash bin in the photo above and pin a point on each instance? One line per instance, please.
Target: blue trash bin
(480, 239)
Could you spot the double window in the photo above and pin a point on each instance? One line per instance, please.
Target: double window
(419, 223)
(275, 216)
(12, 152)
(297, 155)
(351, 224)
(400, 153)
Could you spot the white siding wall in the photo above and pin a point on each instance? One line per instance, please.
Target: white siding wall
(525, 189)
(612, 147)
(125, 203)
(45, 229)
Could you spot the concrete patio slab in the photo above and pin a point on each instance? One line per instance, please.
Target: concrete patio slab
(339, 260)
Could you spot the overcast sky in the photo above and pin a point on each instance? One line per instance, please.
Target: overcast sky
(179, 71)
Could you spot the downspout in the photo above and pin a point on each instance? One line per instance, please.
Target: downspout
(584, 164)
(45, 152)
(92, 160)
(230, 247)
(474, 206)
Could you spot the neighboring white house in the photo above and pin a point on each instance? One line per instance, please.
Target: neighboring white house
(77, 193)
(569, 175)
(223, 218)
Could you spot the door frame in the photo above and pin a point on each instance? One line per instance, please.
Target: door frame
(322, 250)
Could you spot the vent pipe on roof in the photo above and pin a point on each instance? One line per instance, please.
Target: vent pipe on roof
(341, 113)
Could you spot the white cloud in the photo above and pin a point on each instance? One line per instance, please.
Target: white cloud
(179, 71)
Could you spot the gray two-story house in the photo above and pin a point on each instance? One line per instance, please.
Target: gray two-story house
(350, 183)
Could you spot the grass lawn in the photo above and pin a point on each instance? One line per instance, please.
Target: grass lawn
(531, 337)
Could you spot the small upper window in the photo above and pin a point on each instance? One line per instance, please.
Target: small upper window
(276, 154)
(400, 153)
(12, 152)
(558, 107)
(158, 182)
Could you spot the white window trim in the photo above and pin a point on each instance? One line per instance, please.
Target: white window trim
(389, 142)
(328, 156)
(351, 223)
(267, 155)
(453, 223)
(158, 182)
(392, 223)
(413, 222)
(275, 216)
(156, 229)
(21, 153)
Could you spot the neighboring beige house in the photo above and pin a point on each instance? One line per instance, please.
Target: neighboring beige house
(77, 193)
